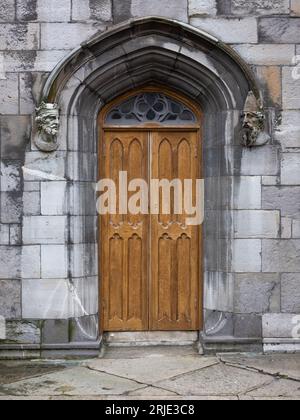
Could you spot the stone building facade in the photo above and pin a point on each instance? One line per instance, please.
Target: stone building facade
(224, 55)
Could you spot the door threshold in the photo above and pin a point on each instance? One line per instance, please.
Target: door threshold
(151, 338)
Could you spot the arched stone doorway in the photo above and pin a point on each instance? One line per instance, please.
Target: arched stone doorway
(140, 53)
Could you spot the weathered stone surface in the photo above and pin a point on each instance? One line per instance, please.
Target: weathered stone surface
(53, 198)
(45, 230)
(295, 7)
(266, 55)
(288, 132)
(10, 179)
(84, 329)
(11, 207)
(4, 234)
(10, 298)
(178, 10)
(14, 132)
(31, 203)
(58, 36)
(291, 89)
(9, 93)
(279, 325)
(84, 297)
(247, 255)
(260, 7)
(23, 332)
(31, 262)
(15, 234)
(219, 291)
(54, 261)
(296, 229)
(290, 293)
(270, 79)
(19, 36)
(281, 256)
(34, 61)
(247, 326)
(283, 388)
(43, 10)
(258, 161)
(202, 7)
(270, 180)
(94, 9)
(285, 199)
(41, 166)
(45, 299)
(256, 224)
(229, 30)
(247, 192)
(290, 169)
(55, 332)
(257, 293)
(286, 228)
(31, 85)
(7, 10)
(279, 30)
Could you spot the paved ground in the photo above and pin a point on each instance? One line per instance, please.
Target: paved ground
(154, 373)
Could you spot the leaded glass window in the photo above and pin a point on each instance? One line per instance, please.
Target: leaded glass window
(150, 107)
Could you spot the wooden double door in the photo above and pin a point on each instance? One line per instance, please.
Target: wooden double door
(150, 263)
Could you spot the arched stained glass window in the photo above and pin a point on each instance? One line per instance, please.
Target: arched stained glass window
(150, 107)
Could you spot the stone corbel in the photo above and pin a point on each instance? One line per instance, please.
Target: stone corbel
(47, 123)
(253, 132)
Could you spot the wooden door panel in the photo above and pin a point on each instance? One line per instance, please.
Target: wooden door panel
(175, 247)
(124, 238)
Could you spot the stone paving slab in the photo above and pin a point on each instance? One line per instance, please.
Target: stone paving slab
(151, 369)
(278, 388)
(74, 382)
(283, 365)
(16, 371)
(219, 380)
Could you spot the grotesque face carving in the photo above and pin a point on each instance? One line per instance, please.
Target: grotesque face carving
(48, 120)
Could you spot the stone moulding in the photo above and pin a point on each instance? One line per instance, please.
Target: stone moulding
(47, 122)
(253, 128)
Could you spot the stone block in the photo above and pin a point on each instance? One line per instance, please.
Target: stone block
(281, 30)
(279, 325)
(9, 100)
(296, 229)
(258, 161)
(54, 261)
(4, 234)
(32, 61)
(202, 7)
(288, 132)
(286, 228)
(230, 29)
(266, 54)
(290, 169)
(247, 326)
(10, 262)
(260, 7)
(14, 133)
(31, 262)
(31, 203)
(11, 207)
(10, 179)
(290, 89)
(31, 85)
(45, 299)
(32, 186)
(247, 192)
(257, 293)
(83, 229)
(19, 37)
(247, 255)
(256, 224)
(270, 79)
(94, 9)
(7, 10)
(270, 180)
(40, 166)
(61, 36)
(281, 256)
(84, 259)
(285, 199)
(53, 197)
(55, 331)
(178, 10)
(295, 7)
(10, 298)
(15, 234)
(43, 10)
(84, 297)
(44, 230)
(219, 291)
(290, 293)
(84, 329)
(23, 332)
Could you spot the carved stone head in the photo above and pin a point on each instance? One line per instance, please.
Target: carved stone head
(47, 121)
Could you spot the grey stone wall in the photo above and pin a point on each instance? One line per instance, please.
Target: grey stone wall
(261, 297)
